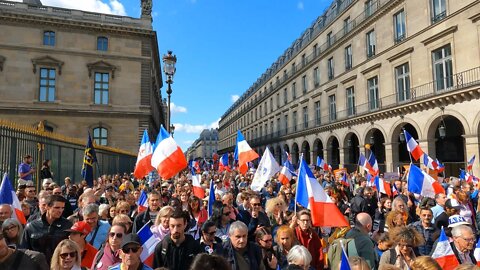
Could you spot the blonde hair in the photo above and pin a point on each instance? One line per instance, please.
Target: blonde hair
(122, 219)
(55, 263)
(165, 212)
(408, 234)
(391, 216)
(271, 204)
(425, 263)
(122, 205)
(467, 267)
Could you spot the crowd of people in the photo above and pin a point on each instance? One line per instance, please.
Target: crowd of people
(74, 226)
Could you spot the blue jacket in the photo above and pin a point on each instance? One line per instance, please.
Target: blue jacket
(117, 267)
(100, 236)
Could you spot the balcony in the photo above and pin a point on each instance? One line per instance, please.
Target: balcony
(458, 81)
(438, 17)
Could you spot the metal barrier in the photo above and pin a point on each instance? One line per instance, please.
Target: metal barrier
(66, 153)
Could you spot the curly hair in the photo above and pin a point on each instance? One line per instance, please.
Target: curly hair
(390, 217)
(272, 203)
(407, 234)
(425, 263)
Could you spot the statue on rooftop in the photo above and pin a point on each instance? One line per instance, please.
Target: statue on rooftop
(146, 7)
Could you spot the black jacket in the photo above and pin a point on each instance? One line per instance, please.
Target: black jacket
(217, 246)
(253, 253)
(358, 204)
(253, 223)
(174, 257)
(43, 237)
(141, 219)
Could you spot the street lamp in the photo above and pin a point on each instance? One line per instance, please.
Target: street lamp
(169, 61)
(172, 129)
(442, 131)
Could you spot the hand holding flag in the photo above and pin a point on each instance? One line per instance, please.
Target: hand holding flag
(144, 159)
(8, 196)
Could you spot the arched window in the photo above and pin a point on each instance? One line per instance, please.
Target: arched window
(100, 135)
(102, 43)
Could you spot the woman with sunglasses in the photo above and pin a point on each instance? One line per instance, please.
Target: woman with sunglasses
(275, 209)
(161, 228)
(109, 253)
(66, 256)
(12, 229)
(221, 218)
(264, 239)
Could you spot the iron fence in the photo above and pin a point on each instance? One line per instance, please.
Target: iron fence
(65, 153)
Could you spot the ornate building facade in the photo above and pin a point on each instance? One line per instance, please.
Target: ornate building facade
(205, 146)
(362, 73)
(79, 71)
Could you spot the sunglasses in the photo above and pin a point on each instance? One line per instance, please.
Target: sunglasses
(256, 204)
(211, 233)
(131, 249)
(68, 254)
(118, 235)
(227, 214)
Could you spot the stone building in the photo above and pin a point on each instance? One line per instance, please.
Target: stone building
(205, 146)
(362, 73)
(81, 71)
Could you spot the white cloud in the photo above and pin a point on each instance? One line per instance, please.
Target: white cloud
(112, 7)
(188, 142)
(300, 5)
(234, 97)
(189, 128)
(177, 109)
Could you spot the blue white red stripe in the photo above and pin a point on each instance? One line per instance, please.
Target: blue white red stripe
(311, 195)
(323, 165)
(223, 164)
(470, 163)
(142, 202)
(244, 153)
(429, 162)
(372, 164)
(168, 157)
(144, 159)
(443, 253)
(383, 186)
(412, 146)
(149, 242)
(419, 182)
(196, 186)
(8, 196)
(211, 198)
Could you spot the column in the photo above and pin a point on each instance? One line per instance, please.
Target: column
(389, 161)
(471, 148)
(342, 157)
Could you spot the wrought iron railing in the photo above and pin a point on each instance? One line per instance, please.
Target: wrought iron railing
(65, 153)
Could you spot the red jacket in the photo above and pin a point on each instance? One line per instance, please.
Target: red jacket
(311, 241)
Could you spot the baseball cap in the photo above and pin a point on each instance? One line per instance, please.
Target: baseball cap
(80, 227)
(47, 181)
(164, 184)
(130, 238)
(452, 203)
(456, 220)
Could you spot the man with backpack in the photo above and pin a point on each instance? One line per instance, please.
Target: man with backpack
(364, 246)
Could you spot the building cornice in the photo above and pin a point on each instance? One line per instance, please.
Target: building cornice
(400, 54)
(47, 61)
(330, 88)
(443, 33)
(317, 94)
(475, 18)
(372, 68)
(351, 78)
(101, 66)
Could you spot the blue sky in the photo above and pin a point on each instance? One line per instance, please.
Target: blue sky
(222, 47)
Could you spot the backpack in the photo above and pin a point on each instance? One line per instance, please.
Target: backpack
(334, 255)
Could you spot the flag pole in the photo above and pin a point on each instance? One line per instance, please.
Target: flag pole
(296, 186)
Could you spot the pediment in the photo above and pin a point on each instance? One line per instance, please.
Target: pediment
(101, 66)
(47, 61)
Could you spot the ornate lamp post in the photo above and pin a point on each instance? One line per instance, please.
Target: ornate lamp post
(169, 61)
(172, 129)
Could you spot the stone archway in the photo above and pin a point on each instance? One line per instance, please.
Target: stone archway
(375, 143)
(295, 154)
(351, 151)
(306, 152)
(333, 152)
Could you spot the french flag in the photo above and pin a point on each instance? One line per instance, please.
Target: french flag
(419, 182)
(322, 164)
(429, 162)
(344, 179)
(168, 157)
(311, 195)
(466, 176)
(243, 153)
(412, 146)
(362, 162)
(211, 199)
(344, 263)
(142, 202)
(443, 253)
(149, 242)
(372, 164)
(394, 190)
(144, 159)
(476, 253)
(8, 196)
(383, 186)
(197, 188)
(223, 164)
(440, 167)
(285, 175)
(470, 163)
